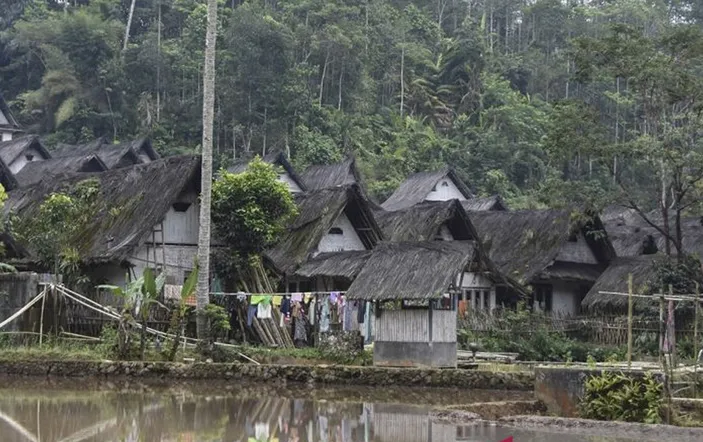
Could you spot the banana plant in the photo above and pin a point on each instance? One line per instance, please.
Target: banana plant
(139, 296)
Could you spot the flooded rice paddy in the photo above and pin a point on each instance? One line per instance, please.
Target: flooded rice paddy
(85, 411)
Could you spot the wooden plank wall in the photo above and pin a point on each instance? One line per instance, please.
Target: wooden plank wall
(389, 427)
(443, 326)
(404, 326)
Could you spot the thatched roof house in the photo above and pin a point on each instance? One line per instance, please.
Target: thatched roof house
(114, 156)
(615, 279)
(289, 176)
(324, 176)
(438, 185)
(429, 220)
(558, 257)
(329, 220)
(37, 171)
(146, 213)
(480, 204)
(412, 270)
(15, 154)
(526, 244)
(9, 127)
(420, 330)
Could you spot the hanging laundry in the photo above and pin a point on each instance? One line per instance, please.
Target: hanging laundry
(277, 301)
(285, 306)
(313, 312)
(348, 315)
(325, 315)
(261, 431)
(256, 299)
(296, 297)
(361, 311)
(263, 311)
(307, 296)
(251, 314)
(333, 297)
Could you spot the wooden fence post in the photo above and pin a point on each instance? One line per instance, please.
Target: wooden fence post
(629, 321)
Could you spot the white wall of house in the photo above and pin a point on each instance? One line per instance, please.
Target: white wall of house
(290, 182)
(348, 239)
(445, 190)
(478, 290)
(577, 251)
(24, 158)
(565, 298)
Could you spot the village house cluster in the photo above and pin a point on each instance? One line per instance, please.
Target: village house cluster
(432, 250)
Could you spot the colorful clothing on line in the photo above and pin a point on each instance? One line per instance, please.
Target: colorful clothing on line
(251, 313)
(264, 311)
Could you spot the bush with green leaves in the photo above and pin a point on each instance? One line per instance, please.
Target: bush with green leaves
(613, 396)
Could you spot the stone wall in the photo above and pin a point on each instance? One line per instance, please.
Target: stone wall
(318, 374)
(341, 344)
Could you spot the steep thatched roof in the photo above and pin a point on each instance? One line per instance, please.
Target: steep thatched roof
(113, 155)
(345, 265)
(415, 270)
(317, 211)
(414, 189)
(277, 159)
(615, 279)
(37, 171)
(635, 240)
(525, 243)
(132, 201)
(324, 176)
(10, 150)
(7, 120)
(423, 221)
(479, 204)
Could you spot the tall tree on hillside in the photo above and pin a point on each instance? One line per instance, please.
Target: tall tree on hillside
(203, 287)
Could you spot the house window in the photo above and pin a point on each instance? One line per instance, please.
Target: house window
(29, 157)
(186, 275)
(543, 297)
(336, 231)
(445, 184)
(181, 207)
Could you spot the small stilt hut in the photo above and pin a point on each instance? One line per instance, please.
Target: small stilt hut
(413, 288)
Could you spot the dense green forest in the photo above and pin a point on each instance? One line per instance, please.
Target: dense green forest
(546, 102)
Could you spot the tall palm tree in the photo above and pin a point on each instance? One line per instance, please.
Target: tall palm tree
(203, 287)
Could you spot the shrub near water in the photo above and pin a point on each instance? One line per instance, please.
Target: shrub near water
(613, 396)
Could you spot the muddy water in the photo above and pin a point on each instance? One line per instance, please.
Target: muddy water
(84, 412)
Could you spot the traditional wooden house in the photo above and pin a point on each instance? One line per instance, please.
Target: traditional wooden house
(440, 185)
(616, 279)
(36, 171)
(327, 237)
(147, 216)
(114, 156)
(16, 154)
(324, 176)
(286, 174)
(9, 128)
(414, 287)
(548, 253)
(448, 221)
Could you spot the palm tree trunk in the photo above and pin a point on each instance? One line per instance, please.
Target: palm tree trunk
(203, 286)
(129, 25)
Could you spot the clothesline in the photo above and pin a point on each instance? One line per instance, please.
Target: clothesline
(278, 294)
